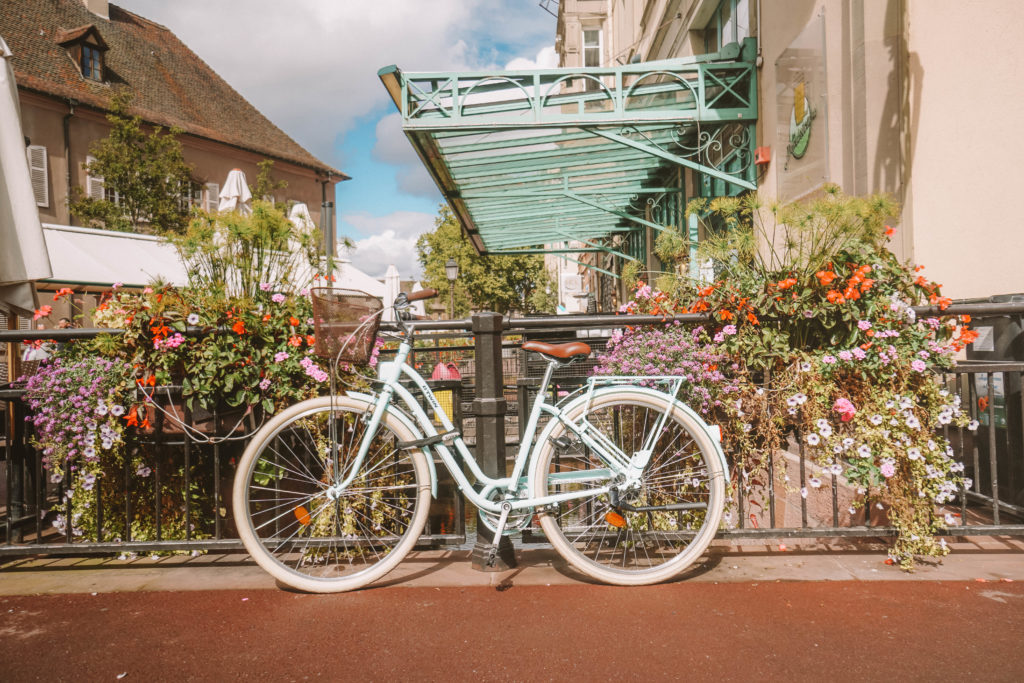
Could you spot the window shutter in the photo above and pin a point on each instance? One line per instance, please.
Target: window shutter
(212, 197)
(93, 184)
(38, 172)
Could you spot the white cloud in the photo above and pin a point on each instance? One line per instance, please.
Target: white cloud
(547, 58)
(392, 146)
(392, 240)
(311, 66)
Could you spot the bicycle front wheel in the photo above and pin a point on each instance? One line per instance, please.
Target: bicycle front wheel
(303, 533)
(646, 532)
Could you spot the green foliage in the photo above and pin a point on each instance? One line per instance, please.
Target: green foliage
(146, 173)
(229, 255)
(266, 185)
(496, 283)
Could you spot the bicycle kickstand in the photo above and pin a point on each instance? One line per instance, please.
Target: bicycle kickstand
(499, 531)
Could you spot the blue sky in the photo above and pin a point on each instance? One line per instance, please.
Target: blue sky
(318, 82)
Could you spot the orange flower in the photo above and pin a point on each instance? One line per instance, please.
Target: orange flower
(867, 345)
(752, 318)
(786, 284)
(238, 327)
(293, 321)
(983, 403)
(132, 418)
(310, 339)
(295, 340)
(825, 277)
(725, 315)
(63, 291)
(889, 232)
(835, 297)
(921, 281)
(866, 285)
(266, 317)
(965, 318)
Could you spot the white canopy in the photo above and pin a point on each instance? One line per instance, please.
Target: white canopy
(418, 306)
(23, 252)
(235, 194)
(350, 277)
(99, 258)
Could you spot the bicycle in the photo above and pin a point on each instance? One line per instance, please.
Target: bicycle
(627, 482)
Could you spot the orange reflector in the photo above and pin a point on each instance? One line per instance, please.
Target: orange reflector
(615, 519)
(302, 514)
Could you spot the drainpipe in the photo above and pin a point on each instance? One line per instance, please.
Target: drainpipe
(67, 155)
(327, 218)
(759, 62)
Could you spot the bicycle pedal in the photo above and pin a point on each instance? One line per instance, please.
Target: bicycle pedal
(492, 556)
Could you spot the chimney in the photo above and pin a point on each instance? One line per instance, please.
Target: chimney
(100, 8)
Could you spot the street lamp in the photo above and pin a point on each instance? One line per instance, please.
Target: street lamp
(451, 271)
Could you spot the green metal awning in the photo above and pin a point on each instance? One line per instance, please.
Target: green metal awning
(533, 160)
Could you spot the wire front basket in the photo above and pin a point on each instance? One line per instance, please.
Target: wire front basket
(346, 323)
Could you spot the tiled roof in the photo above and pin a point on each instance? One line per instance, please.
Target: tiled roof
(171, 84)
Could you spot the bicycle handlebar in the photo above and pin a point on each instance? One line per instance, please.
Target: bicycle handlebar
(422, 294)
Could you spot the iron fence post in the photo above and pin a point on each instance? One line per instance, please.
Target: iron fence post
(490, 407)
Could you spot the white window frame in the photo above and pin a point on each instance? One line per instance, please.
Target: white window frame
(39, 173)
(212, 197)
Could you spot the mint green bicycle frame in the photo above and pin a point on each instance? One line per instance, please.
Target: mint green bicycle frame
(618, 462)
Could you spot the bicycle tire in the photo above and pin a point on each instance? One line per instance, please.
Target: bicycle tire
(295, 531)
(616, 545)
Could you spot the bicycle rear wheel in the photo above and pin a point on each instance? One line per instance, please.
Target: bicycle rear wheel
(645, 533)
(308, 539)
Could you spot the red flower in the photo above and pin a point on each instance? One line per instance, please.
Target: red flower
(238, 327)
(293, 321)
(310, 339)
(889, 232)
(295, 340)
(63, 291)
(752, 318)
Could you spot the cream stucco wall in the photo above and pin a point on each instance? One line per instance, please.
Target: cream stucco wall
(964, 149)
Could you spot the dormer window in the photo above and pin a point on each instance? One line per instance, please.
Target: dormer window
(86, 47)
(92, 62)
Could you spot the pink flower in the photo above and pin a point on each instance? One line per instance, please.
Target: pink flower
(277, 298)
(888, 469)
(845, 409)
(828, 359)
(265, 286)
(729, 329)
(281, 356)
(864, 324)
(918, 365)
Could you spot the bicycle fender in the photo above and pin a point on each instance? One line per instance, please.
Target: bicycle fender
(409, 424)
(714, 433)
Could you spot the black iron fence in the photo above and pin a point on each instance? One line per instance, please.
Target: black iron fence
(488, 383)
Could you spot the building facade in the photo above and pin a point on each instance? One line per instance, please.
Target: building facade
(905, 97)
(71, 56)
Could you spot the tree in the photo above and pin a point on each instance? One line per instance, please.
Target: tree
(497, 283)
(145, 179)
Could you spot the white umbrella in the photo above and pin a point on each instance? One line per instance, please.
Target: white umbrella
(299, 216)
(418, 306)
(23, 257)
(235, 195)
(392, 286)
(348, 276)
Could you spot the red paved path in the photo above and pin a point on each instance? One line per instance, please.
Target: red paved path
(688, 631)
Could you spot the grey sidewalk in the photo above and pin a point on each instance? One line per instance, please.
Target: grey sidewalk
(992, 559)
